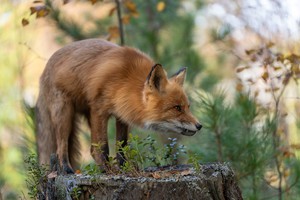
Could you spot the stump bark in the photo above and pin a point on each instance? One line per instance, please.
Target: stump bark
(212, 182)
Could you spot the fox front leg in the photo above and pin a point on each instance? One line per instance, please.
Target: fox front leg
(122, 136)
(99, 141)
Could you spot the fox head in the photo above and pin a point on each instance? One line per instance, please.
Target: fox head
(167, 106)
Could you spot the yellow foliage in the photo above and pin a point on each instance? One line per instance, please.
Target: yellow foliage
(25, 22)
(131, 7)
(113, 32)
(160, 6)
(126, 19)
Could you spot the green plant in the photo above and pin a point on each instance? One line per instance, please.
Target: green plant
(172, 151)
(97, 148)
(138, 154)
(76, 192)
(150, 145)
(133, 158)
(193, 159)
(142, 153)
(36, 176)
(112, 165)
(240, 133)
(91, 169)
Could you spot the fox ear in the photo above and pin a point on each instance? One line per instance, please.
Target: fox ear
(157, 78)
(179, 77)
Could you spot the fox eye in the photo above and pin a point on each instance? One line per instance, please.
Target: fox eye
(178, 108)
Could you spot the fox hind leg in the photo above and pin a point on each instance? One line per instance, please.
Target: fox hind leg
(62, 117)
(74, 144)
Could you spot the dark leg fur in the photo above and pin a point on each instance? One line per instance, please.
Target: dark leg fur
(63, 118)
(122, 135)
(99, 140)
(65, 167)
(46, 139)
(74, 145)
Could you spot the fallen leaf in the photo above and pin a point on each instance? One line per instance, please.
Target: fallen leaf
(52, 174)
(171, 172)
(185, 172)
(156, 175)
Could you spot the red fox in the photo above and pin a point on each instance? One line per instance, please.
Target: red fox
(98, 79)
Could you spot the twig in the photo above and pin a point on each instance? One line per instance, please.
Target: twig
(33, 51)
(276, 138)
(121, 30)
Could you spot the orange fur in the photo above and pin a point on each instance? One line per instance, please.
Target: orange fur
(98, 79)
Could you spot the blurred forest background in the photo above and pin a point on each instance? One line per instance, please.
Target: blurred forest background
(243, 78)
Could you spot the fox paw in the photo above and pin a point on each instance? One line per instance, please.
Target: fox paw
(67, 169)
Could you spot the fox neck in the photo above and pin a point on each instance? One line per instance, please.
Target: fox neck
(128, 99)
(131, 107)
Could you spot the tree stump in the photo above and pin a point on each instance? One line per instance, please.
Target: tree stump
(215, 181)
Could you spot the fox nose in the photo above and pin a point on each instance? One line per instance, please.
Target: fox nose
(198, 126)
